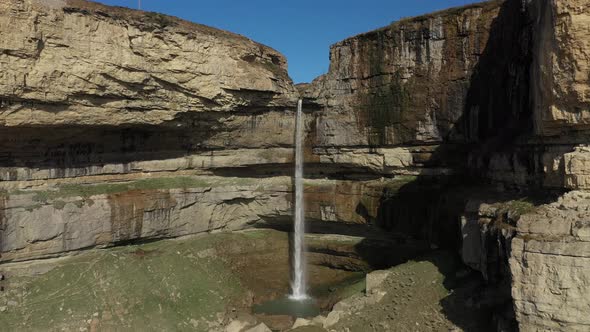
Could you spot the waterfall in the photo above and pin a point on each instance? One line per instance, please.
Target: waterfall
(299, 282)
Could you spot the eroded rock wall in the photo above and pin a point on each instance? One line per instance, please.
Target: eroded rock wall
(550, 264)
(475, 89)
(433, 85)
(95, 100)
(59, 216)
(562, 67)
(83, 85)
(495, 90)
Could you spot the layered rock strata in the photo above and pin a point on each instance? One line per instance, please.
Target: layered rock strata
(497, 90)
(87, 89)
(95, 100)
(63, 216)
(550, 264)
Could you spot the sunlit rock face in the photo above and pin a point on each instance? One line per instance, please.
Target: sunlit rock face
(86, 64)
(84, 85)
(549, 263)
(118, 125)
(562, 67)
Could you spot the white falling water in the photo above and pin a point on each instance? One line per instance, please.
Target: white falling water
(299, 282)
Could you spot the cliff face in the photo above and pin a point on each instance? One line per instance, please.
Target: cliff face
(117, 125)
(432, 84)
(407, 83)
(561, 68)
(488, 81)
(84, 86)
(83, 64)
(497, 90)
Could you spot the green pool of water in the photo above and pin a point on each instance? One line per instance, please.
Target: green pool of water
(286, 306)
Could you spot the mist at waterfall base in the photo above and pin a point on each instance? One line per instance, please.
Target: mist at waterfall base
(298, 303)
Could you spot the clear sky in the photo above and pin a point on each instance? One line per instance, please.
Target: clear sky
(302, 30)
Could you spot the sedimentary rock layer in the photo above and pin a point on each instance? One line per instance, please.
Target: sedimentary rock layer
(110, 96)
(84, 85)
(484, 88)
(59, 217)
(80, 63)
(550, 264)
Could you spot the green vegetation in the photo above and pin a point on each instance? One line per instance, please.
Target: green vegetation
(59, 204)
(423, 295)
(166, 183)
(160, 19)
(74, 190)
(355, 284)
(170, 285)
(509, 212)
(520, 207)
(164, 285)
(273, 68)
(57, 196)
(258, 234)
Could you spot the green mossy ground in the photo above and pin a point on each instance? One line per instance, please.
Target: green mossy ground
(190, 284)
(165, 285)
(422, 295)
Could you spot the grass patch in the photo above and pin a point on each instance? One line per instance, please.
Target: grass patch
(256, 234)
(59, 204)
(513, 210)
(89, 190)
(160, 19)
(521, 207)
(160, 286)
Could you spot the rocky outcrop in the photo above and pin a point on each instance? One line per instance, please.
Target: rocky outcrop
(549, 265)
(79, 63)
(73, 217)
(483, 88)
(423, 84)
(402, 84)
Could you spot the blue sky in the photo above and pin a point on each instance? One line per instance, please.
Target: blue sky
(302, 30)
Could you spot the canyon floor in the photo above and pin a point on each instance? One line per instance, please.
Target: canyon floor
(211, 282)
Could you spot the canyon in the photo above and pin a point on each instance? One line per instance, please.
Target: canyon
(465, 130)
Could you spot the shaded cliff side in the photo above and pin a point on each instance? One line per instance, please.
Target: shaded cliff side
(497, 91)
(425, 92)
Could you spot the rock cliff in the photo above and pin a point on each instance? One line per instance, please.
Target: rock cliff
(458, 128)
(84, 86)
(498, 91)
